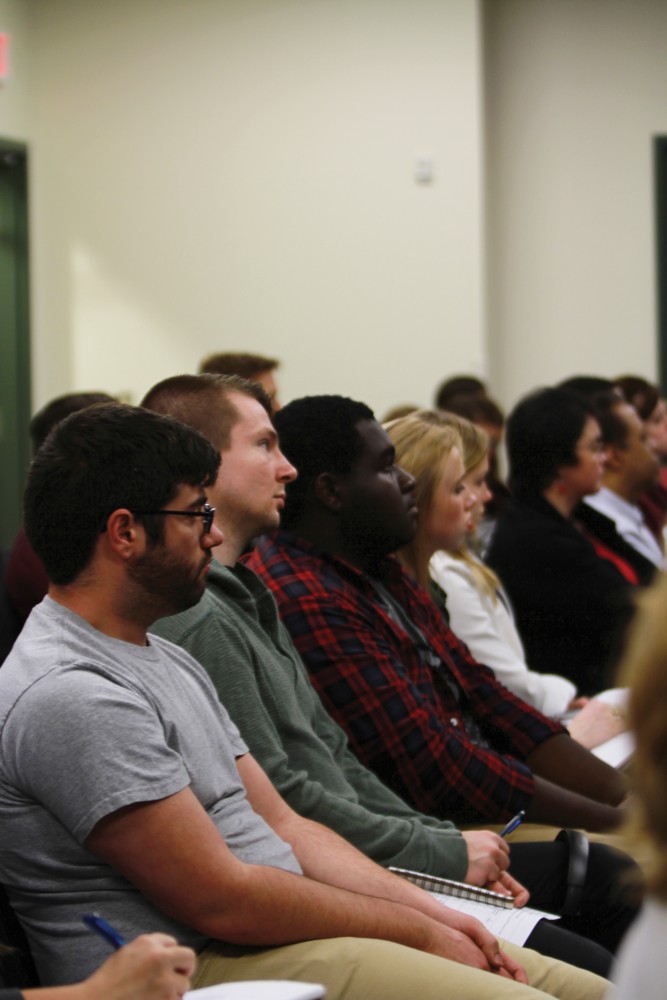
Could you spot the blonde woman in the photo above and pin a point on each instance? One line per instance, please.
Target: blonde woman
(446, 454)
(479, 609)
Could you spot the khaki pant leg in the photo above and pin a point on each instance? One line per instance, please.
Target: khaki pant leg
(368, 969)
(557, 979)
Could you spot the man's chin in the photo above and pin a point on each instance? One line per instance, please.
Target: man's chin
(270, 523)
(188, 599)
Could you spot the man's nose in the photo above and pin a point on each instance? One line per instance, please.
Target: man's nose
(287, 471)
(212, 537)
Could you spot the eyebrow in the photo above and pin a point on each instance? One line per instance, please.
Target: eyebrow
(199, 502)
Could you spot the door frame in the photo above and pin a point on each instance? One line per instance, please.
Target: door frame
(15, 382)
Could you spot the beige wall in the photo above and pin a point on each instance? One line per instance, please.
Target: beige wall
(575, 90)
(239, 174)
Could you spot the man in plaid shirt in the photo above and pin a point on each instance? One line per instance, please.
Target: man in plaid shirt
(418, 710)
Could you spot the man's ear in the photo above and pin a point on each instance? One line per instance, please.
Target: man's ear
(328, 490)
(123, 533)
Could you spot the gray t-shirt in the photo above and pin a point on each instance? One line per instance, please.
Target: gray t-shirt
(89, 724)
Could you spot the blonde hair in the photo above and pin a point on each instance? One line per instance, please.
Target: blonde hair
(475, 443)
(422, 441)
(645, 672)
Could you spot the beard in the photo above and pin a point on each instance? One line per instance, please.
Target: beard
(164, 584)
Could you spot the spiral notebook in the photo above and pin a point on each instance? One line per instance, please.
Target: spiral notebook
(493, 909)
(450, 887)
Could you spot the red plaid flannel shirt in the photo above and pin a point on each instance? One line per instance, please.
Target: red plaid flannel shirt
(402, 719)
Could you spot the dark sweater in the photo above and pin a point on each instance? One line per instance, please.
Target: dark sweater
(571, 605)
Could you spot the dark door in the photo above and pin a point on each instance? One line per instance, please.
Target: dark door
(14, 335)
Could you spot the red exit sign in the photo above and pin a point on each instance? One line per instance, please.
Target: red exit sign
(4, 55)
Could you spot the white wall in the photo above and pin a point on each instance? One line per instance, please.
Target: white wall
(239, 173)
(225, 174)
(575, 90)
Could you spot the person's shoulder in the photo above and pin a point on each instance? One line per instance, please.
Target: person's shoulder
(527, 525)
(293, 568)
(448, 570)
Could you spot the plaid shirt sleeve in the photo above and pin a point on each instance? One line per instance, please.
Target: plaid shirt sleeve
(505, 717)
(365, 668)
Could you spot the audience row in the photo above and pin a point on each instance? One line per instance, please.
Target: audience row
(335, 646)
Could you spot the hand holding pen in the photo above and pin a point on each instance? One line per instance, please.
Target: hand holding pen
(152, 967)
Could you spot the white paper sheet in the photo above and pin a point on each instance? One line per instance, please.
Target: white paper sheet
(513, 925)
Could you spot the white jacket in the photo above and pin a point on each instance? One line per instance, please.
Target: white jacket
(488, 630)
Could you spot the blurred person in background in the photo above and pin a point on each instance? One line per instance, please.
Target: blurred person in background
(652, 408)
(26, 581)
(253, 367)
(572, 593)
(630, 471)
(642, 964)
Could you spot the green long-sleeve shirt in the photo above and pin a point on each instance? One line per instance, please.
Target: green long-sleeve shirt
(237, 636)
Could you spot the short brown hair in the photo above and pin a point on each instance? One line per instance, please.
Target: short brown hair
(203, 402)
(246, 365)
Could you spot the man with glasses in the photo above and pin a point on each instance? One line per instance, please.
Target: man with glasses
(125, 787)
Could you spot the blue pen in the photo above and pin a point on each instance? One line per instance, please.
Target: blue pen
(102, 927)
(513, 823)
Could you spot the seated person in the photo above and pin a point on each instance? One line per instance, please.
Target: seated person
(417, 709)
(235, 633)
(459, 387)
(150, 801)
(652, 409)
(571, 589)
(642, 965)
(152, 967)
(631, 469)
(447, 455)
(486, 414)
(26, 580)
(252, 367)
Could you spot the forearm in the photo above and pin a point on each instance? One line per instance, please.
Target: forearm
(395, 833)
(564, 762)
(558, 806)
(268, 907)
(326, 857)
(379, 902)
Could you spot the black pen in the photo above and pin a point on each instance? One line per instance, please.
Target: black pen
(513, 823)
(102, 927)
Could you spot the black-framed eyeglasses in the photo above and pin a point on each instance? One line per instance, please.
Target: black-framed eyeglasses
(206, 514)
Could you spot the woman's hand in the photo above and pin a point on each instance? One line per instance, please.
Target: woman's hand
(596, 723)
